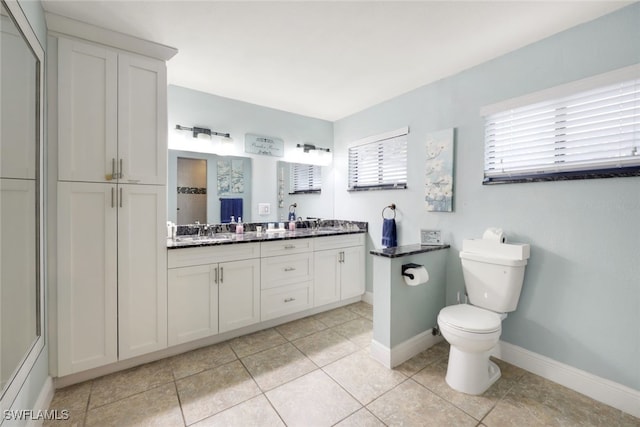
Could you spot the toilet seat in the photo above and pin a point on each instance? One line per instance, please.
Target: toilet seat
(467, 318)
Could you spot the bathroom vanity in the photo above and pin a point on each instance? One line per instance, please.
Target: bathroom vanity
(230, 284)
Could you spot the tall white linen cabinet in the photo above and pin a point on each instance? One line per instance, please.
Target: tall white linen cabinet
(111, 289)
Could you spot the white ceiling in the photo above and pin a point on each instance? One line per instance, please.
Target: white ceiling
(329, 59)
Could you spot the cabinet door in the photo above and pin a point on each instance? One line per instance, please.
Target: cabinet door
(87, 111)
(142, 120)
(352, 272)
(326, 283)
(87, 278)
(193, 303)
(142, 269)
(239, 292)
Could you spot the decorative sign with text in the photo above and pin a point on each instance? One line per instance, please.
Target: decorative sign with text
(265, 145)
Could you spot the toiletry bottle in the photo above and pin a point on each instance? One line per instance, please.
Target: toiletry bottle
(239, 227)
(292, 226)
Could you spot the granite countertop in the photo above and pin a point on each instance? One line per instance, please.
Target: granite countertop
(253, 236)
(400, 251)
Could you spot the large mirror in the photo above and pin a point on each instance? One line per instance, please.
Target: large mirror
(21, 221)
(208, 188)
(304, 191)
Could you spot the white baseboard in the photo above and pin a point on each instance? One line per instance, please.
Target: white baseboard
(368, 297)
(43, 401)
(606, 391)
(404, 351)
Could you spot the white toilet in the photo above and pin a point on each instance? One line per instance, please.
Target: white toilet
(493, 276)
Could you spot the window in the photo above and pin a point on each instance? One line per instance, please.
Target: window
(305, 178)
(379, 162)
(592, 131)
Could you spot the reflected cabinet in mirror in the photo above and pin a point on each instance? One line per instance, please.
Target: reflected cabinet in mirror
(208, 188)
(21, 267)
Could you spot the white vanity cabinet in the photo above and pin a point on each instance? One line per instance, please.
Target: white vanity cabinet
(339, 265)
(212, 289)
(111, 273)
(287, 277)
(112, 115)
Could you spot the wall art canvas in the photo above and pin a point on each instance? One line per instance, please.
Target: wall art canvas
(230, 176)
(438, 191)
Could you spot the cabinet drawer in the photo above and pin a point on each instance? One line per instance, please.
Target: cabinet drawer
(286, 269)
(286, 247)
(285, 300)
(343, 241)
(212, 254)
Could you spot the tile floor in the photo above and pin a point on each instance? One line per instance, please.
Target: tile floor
(317, 371)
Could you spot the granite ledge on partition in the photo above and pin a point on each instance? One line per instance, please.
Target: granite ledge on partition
(401, 251)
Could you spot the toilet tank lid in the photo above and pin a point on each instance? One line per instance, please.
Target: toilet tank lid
(469, 318)
(492, 259)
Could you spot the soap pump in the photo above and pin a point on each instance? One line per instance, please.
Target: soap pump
(239, 226)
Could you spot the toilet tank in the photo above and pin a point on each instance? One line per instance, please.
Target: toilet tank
(494, 273)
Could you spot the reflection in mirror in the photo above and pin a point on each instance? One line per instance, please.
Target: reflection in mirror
(192, 191)
(301, 184)
(20, 106)
(208, 188)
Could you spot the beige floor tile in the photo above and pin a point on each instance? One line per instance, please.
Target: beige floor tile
(300, 328)
(215, 390)
(122, 384)
(410, 404)
(363, 377)
(74, 398)
(254, 412)
(424, 358)
(433, 377)
(325, 347)
(535, 401)
(312, 400)
(201, 359)
(155, 407)
(361, 308)
(253, 343)
(74, 419)
(358, 331)
(336, 316)
(273, 367)
(362, 418)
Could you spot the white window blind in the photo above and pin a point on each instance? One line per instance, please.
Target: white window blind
(580, 135)
(380, 163)
(305, 178)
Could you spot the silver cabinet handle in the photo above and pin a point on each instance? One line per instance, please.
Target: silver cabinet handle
(112, 194)
(289, 269)
(289, 299)
(120, 174)
(120, 196)
(221, 274)
(113, 168)
(289, 246)
(215, 280)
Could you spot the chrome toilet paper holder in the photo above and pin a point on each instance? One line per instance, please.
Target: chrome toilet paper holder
(405, 267)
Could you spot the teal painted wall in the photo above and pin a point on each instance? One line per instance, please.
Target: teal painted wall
(580, 303)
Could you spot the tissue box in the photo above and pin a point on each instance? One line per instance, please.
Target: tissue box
(502, 250)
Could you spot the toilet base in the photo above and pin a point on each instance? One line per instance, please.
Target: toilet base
(471, 373)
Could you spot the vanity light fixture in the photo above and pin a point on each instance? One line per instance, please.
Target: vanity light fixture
(199, 132)
(309, 147)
